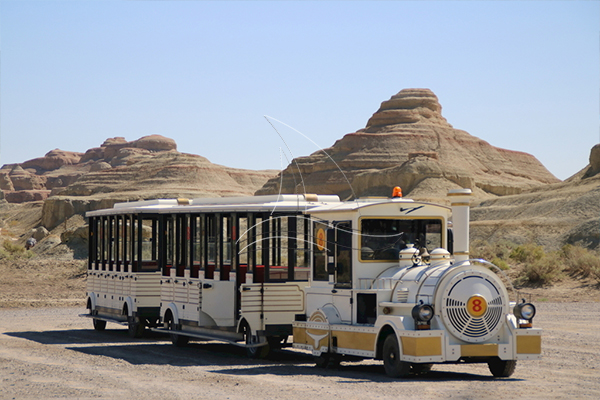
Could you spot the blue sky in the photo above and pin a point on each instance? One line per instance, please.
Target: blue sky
(521, 75)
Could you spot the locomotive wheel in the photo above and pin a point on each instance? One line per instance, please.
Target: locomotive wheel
(421, 368)
(177, 340)
(502, 368)
(99, 325)
(254, 352)
(394, 367)
(135, 329)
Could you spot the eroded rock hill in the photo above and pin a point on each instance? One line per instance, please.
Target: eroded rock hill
(408, 143)
(551, 215)
(151, 167)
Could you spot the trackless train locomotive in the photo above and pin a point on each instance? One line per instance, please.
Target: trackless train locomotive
(373, 278)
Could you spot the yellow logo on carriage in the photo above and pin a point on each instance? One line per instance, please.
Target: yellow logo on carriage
(318, 334)
(477, 306)
(320, 239)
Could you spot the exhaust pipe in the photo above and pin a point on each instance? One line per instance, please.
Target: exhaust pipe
(460, 200)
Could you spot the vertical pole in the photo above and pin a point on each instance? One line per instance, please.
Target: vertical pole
(460, 201)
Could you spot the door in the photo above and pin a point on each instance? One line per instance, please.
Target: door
(342, 289)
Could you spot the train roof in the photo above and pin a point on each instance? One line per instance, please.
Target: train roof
(269, 203)
(309, 203)
(362, 203)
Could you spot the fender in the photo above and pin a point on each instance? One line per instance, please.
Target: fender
(331, 313)
(173, 308)
(396, 323)
(92, 299)
(130, 305)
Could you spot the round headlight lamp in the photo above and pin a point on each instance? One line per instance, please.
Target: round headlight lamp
(524, 311)
(422, 312)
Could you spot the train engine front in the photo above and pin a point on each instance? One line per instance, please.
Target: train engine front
(453, 310)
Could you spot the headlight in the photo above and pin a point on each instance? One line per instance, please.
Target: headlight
(422, 312)
(524, 311)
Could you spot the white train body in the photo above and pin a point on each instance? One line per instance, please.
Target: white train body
(467, 315)
(375, 278)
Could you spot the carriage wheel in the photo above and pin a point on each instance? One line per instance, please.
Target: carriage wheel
(99, 325)
(135, 329)
(176, 339)
(254, 352)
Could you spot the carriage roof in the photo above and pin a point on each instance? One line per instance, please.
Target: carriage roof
(270, 203)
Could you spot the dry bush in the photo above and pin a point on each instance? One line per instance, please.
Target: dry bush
(500, 263)
(496, 253)
(545, 270)
(527, 253)
(581, 262)
(11, 250)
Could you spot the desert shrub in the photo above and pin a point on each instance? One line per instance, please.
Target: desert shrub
(596, 274)
(12, 248)
(581, 261)
(500, 263)
(527, 253)
(545, 270)
(496, 253)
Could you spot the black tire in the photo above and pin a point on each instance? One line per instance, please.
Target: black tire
(176, 339)
(421, 369)
(135, 329)
(328, 361)
(394, 367)
(502, 368)
(254, 352)
(99, 324)
(276, 342)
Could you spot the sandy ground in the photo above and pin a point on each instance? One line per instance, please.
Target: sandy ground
(51, 353)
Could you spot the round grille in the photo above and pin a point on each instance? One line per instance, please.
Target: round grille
(473, 305)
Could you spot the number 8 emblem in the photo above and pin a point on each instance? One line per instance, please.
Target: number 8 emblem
(476, 306)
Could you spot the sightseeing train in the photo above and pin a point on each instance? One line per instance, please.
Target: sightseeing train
(383, 278)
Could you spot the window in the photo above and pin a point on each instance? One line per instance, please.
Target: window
(319, 241)
(382, 239)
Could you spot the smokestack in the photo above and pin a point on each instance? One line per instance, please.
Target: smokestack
(460, 200)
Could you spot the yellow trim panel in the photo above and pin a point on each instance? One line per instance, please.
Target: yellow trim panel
(355, 340)
(421, 346)
(529, 344)
(479, 350)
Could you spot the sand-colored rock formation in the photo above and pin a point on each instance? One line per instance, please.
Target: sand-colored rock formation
(407, 142)
(118, 170)
(550, 215)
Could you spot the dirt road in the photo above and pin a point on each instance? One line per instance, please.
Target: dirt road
(51, 353)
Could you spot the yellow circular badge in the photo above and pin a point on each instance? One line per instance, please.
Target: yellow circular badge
(476, 306)
(320, 239)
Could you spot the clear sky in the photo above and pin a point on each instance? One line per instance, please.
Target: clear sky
(521, 75)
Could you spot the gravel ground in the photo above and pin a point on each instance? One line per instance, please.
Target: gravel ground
(51, 353)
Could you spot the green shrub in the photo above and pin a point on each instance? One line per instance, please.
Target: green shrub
(12, 248)
(500, 263)
(496, 253)
(545, 270)
(527, 253)
(581, 261)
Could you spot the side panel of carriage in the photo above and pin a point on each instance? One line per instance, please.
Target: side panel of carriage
(123, 278)
(231, 275)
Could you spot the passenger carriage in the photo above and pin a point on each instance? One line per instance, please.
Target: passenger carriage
(230, 269)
